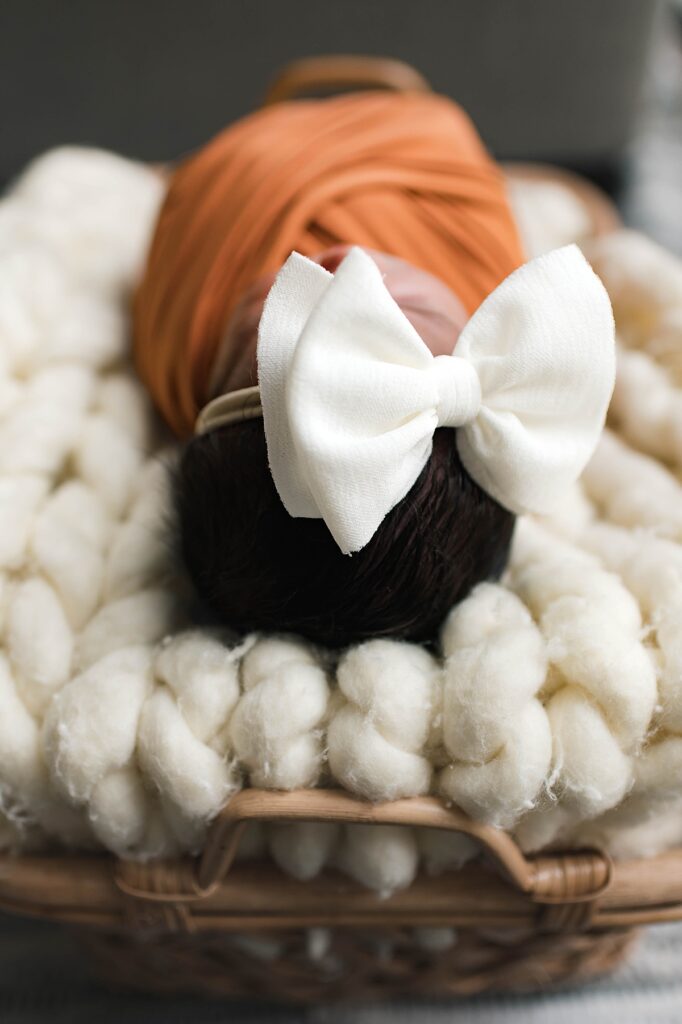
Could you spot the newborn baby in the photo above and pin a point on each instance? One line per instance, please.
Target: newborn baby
(404, 178)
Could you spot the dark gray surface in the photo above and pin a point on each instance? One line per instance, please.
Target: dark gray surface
(541, 78)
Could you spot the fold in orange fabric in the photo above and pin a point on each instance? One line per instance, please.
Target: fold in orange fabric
(404, 173)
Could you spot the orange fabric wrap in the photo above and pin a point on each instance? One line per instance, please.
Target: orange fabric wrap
(404, 173)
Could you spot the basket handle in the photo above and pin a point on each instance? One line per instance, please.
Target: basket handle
(339, 73)
(575, 878)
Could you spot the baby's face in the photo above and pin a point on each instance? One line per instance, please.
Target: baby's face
(434, 311)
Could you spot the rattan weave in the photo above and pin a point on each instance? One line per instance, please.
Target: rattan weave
(214, 926)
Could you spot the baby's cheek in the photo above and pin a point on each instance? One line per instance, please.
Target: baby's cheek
(437, 330)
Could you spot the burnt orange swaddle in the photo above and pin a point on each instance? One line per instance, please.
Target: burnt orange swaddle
(403, 173)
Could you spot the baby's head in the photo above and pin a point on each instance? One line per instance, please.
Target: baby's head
(257, 567)
(385, 427)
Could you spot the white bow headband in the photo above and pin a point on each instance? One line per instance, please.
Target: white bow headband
(351, 395)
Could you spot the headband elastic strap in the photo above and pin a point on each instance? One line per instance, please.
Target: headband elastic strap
(234, 407)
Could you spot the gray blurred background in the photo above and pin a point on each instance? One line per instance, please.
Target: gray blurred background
(543, 79)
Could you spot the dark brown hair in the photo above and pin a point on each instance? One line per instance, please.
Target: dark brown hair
(257, 568)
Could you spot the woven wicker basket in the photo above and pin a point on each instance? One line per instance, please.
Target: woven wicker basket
(208, 925)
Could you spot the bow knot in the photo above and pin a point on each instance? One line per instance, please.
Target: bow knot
(458, 390)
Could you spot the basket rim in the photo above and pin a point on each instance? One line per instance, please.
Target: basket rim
(560, 891)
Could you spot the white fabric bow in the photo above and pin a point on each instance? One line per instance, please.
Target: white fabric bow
(351, 394)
